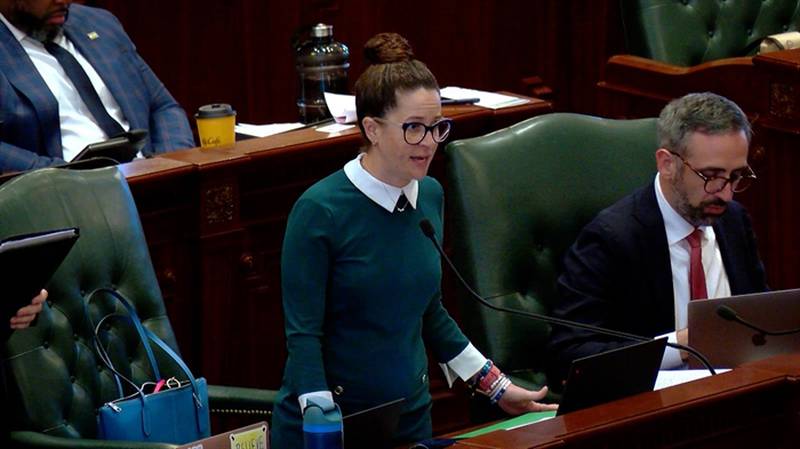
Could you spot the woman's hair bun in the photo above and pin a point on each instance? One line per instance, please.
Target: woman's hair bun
(385, 48)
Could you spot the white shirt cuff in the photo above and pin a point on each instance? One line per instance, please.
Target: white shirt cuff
(303, 398)
(464, 365)
(672, 357)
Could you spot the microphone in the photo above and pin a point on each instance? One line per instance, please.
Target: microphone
(760, 338)
(427, 229)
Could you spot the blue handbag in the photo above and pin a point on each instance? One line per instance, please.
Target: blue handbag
(177, 415)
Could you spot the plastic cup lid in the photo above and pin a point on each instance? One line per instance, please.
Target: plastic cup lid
(215, 110)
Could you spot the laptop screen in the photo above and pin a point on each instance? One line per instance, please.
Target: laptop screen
(374, 427)
(728, 344)
(612, 375)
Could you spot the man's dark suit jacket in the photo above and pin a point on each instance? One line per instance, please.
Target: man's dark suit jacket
(618, 275)
(30, 136)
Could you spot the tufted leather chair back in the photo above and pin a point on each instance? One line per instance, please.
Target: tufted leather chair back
(518, 198)
(690, 32)
(54, 381)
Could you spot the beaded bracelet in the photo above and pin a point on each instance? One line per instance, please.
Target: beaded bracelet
(476, 379)
(485, 370)
(495, 397)
(489, 380)
(497, 386)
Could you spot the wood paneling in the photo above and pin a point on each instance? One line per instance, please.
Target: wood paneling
(239, 52)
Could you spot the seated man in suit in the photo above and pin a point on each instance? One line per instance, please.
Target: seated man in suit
(70, 76)
(636, 266)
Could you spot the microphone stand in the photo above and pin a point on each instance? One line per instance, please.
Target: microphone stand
(759, 339)
(427, 229)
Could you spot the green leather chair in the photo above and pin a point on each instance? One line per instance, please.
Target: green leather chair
(691, 32)
(517, 199)
(54, 381)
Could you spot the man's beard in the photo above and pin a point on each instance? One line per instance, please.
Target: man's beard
(36, 27)
(695, 215)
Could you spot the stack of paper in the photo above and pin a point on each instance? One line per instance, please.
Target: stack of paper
(670, 378)
(487, 99)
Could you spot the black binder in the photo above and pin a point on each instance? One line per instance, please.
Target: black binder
(27, 262)
(122, 148)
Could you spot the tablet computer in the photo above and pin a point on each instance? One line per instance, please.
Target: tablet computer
(374, 427)
(122, 148)
(27, 262)
(612, 375)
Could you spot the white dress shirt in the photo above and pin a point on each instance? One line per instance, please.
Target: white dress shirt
(78, 127)
(717, 284)
(470, 360)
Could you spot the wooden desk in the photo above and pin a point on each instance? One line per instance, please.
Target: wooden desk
(767, 87)
(756, 405)
(214, 221)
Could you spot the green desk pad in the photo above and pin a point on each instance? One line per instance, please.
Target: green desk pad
(518, 421)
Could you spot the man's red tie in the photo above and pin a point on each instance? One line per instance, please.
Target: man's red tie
(697, 277)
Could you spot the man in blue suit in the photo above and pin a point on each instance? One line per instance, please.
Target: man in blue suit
(46, 119)
(636, 266)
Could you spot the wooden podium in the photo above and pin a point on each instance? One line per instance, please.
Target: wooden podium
(754, 406)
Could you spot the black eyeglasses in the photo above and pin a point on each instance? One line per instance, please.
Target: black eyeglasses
(415, 132)
(714, 184)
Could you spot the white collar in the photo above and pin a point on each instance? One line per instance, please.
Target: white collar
(384, 194)
(18, 34)
(677, 227)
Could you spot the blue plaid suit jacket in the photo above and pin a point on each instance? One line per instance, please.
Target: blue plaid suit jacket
(30, 136)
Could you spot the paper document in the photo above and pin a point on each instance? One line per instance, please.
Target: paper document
(334, 128)
(670, 378)
(341, 107)
(489, 100)
(266, 130)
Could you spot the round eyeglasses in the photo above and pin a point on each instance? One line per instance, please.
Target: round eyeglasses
(414, 132)
(739, 180)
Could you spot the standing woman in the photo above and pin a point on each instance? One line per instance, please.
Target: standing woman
(361, 282)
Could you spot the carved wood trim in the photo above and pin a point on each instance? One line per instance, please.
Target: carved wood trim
(219, 204)
(783, 100)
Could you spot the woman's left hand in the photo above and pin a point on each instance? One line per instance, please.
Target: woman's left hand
(517, 400)
(27, 314)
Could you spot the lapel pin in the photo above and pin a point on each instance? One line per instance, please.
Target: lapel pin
(93, 35)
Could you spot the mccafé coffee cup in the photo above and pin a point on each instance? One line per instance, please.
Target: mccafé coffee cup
(215, 124)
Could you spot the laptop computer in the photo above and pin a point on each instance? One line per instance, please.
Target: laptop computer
(252, 436)
(612, 375)
(374, 427)
(728, 344)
